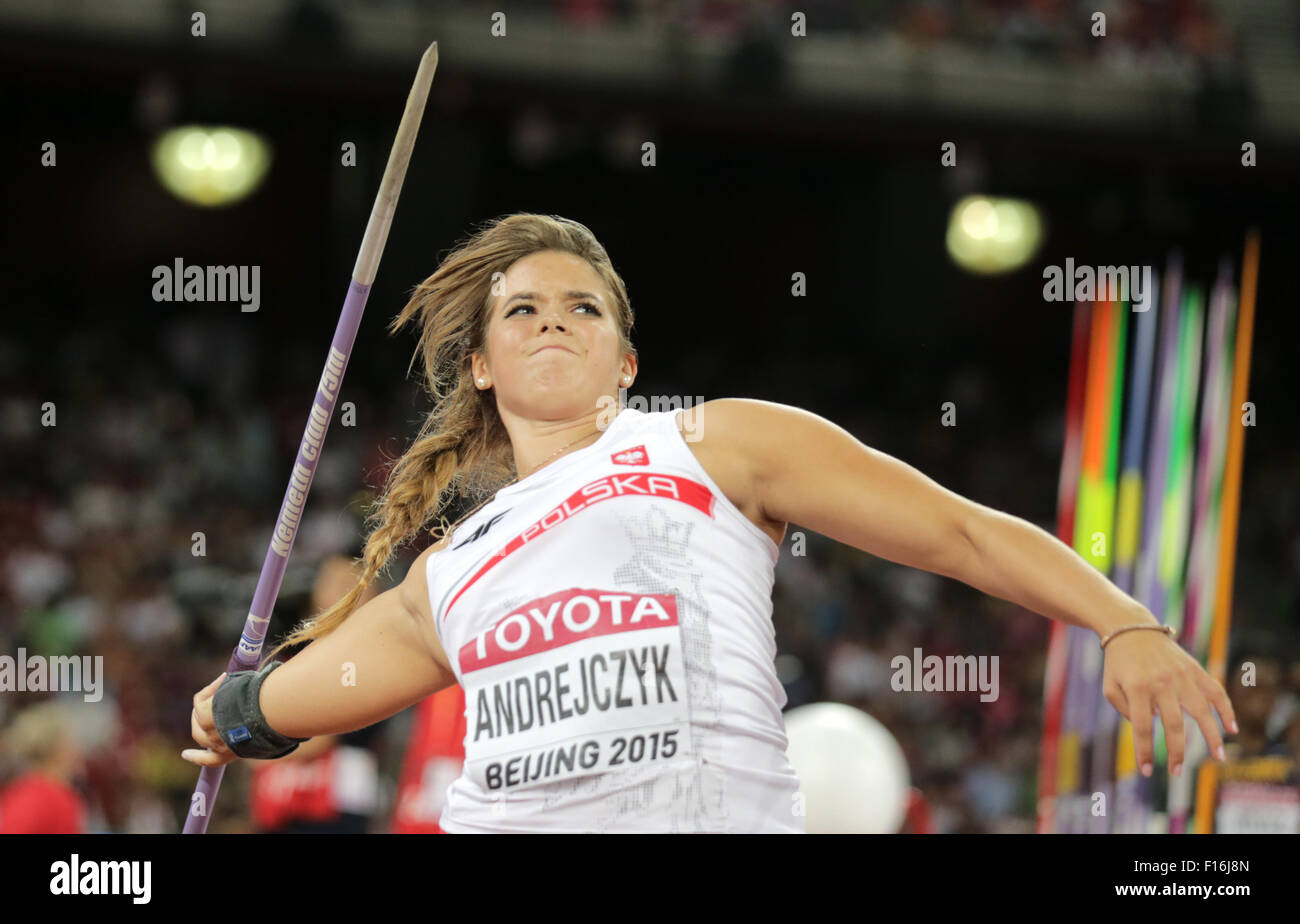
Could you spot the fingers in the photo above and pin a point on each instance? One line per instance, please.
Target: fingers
(1198, 707)
(1167, 690)
(209, 690)
(1171, 716)
(1218, 697)
(1115, 696)
(1140, 706)
(205, 733)
(214, 752)
(207, 758)
(203, 702)
(202, 728)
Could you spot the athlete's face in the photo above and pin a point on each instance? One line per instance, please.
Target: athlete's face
(552, 339)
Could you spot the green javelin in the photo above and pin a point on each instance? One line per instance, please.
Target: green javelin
(1176, 511)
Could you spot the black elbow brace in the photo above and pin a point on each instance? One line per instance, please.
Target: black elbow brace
(239, 720)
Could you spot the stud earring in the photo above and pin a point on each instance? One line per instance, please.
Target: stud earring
(482, 381)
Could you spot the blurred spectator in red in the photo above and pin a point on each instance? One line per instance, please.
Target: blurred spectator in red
(584, 13)
(434, 759)
(43, 800)
(926, 22)
(918, 819)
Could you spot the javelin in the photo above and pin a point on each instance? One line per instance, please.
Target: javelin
(249, 649)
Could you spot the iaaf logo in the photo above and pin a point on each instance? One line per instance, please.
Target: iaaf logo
(634, 456)
(564, 617)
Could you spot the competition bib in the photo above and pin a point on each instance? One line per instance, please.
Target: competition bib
(572, 684)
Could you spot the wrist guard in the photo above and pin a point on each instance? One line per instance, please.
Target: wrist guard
(238, 716)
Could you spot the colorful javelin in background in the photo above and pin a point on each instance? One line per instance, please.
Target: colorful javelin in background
(1067, 488)
(1203, 562)
(1217, 661)
(1166, 534)
(1128, 813)
(1128, 535)
(1094, 518)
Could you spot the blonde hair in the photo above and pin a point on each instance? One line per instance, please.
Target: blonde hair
(36, 734)
(462, 448)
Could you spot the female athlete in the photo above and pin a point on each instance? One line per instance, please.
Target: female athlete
(607, 610)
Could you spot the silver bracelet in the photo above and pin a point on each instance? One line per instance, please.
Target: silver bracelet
(1168, 630)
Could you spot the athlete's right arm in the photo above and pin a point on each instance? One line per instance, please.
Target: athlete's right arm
(383, 658)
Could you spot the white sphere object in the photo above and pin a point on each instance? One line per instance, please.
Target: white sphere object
(852, 772)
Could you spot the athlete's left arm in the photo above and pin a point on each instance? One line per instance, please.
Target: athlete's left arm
(806, 470)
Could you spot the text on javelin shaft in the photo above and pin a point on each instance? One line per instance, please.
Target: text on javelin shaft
(312, 441)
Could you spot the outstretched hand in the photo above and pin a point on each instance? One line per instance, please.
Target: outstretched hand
(1148, 674)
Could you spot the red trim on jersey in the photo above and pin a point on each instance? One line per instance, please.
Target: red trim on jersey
(647, 484)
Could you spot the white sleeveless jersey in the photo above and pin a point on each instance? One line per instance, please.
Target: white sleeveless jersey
(609, 618)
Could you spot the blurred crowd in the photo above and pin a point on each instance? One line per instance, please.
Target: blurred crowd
(134, 527)
(1145, 34)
